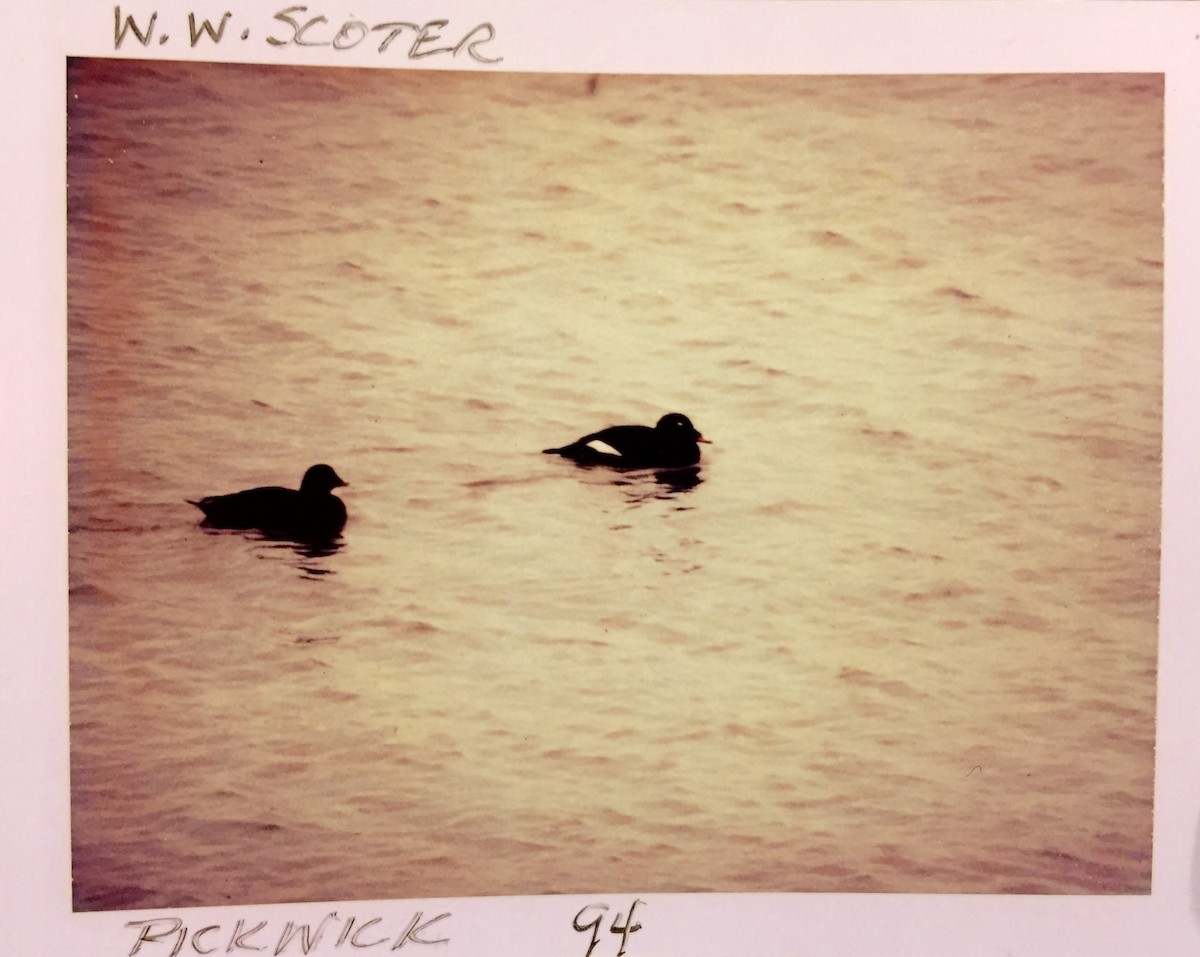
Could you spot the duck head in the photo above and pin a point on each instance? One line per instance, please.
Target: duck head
(677, 427)
(321, 479)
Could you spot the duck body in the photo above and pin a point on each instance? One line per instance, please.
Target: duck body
(311, 512)
(671, 443)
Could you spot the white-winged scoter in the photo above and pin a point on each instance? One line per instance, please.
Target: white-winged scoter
(672, 443)
(312, 512)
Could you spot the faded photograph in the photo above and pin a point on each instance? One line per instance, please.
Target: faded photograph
(866, 601)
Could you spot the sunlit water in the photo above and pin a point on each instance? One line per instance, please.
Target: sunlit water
(898, 633)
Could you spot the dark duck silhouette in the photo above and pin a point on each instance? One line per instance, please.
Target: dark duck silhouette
(310, 514)
(672, 443)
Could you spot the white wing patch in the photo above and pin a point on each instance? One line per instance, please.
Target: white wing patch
(596, 445)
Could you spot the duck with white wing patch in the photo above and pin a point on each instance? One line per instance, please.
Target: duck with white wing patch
(672, 443)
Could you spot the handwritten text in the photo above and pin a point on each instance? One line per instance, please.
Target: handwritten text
(298, 26)
(619, 926)
(169, 935)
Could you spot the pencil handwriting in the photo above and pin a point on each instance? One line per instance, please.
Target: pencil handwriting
(299, 26)
(167, 936)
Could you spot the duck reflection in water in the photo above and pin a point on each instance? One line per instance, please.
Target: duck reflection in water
(307, 556)
(662, 485)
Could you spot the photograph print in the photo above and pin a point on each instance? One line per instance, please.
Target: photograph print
(518, 484)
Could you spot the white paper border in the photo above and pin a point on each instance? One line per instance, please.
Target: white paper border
(679, 36)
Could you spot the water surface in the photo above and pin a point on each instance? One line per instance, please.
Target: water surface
(896, 634)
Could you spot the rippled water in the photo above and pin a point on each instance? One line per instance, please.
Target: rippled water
(897, 634)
